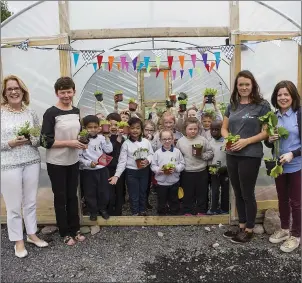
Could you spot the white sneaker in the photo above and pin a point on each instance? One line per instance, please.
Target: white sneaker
(279, 236)
(290, 244)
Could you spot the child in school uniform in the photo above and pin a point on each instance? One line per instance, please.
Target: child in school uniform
(95, 176)
(136, 147)
(194, 179)
(168, 184)
(219, 181)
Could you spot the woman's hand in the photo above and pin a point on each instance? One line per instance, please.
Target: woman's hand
(240, 144)
(113, 180)
(77, 144)
(273, 138)
(286, 158)
(18, 141)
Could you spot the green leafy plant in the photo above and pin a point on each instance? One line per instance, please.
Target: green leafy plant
(222, 107)
(197, 145)
(210, 112)
(141, 153)
(35, 131)
(28, 131)
(104, 122)
(232, 139)
(168, 166)
(131, 100)
(118, 92)
(122, 124)
(183, 102)
(84, 133)
(213, 170)
(97, 92)
(83, 136)
(210, 91)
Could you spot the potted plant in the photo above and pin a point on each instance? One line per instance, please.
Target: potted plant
(210, 112)
(213, 169)
(132, 104)
(83, 137)
(118, 96)
(196, 149)
(167, 168)
(222, 107)
(182, 96)
(182, 105)
(169, 103)
(140, 154)
(27, 131)
(125, 126)
(230, 140)
(98, 95)
(210, 93)
(105, 127)
(172, 97)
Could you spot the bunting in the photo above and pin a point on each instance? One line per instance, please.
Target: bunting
(170, 61)
(23, 45)
(198, 70)
(191, 73)
(75, 58)
(174, 74)
(88, 55)
(123, 61)
(110, 62)
(193, 59)
(95, 66)
(165, 73)
(204, 49)
(134, 63)
(181, 60)
(297, 39)
(217, 59)
(228, 51)
(181, 73)
(100, 60)
(65, 47)
(157, 59)
(146, 60)
(133, 54)
(158, 53)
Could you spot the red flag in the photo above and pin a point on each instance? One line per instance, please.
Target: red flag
(208, 67)
(100, 60)
(170, 61)
(157, 72)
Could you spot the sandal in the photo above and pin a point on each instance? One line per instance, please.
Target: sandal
(69, 241)
(79, 237)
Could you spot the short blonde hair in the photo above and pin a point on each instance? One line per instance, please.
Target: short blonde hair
(168, 115)
(21, 84)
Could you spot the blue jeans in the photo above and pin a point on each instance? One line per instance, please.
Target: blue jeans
(137, 184)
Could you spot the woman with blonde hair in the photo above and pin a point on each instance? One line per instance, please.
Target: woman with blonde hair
(20, 164)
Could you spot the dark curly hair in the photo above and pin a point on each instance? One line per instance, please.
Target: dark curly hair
(64, 83)
(255, 96)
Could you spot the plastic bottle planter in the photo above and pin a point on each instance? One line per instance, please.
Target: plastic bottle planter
(98, 96)
(270, 164)
(169, 103)
(196, 149)
(172, 97)
(132, 106)
(139, 163)
(118, 97)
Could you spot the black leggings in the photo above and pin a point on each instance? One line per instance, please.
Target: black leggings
(243, 172)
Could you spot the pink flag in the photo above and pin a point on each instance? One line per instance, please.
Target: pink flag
(193, 58)
(127, 66)
(123, 61)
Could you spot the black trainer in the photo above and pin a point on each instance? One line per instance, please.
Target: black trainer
(242, 237)
(104, 214)
(232, 233)
(93, 217)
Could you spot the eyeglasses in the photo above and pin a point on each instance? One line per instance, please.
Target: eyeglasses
(16, 89)
(166, 140)
(149, 130)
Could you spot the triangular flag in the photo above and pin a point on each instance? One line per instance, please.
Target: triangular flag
(217, 59)
(123, 61)
(88, 55)
(157, 72)
(204, 49)
(134, 54)
(157, 59)
(191, 72)
(250, 45)
(297, 39)
(276, 42)
(165, 74)
(103, 66)
(174, 74)
(146, 60)
(134, 62)
(94, 66)
(110, 62)
(170, 61)
(140, 66)
(204, 58)
(212, 66)
(228, 51)
(127, 66)
(76, 58)
(149, 68)
(208, 67)
(193, 58)
(181, 60)
(198, 70)
(100, 60)
(118, 66)
(181, 73)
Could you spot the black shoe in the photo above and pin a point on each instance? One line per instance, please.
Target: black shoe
(149, 206)
(93, 217)
(242, 237)
(104, 214)
(232, 233)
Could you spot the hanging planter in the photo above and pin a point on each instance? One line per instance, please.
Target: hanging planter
(124, 126)
(105, 127)
(230, 140)
(196, 149)
(182, 105)
(132, 104)
(210, 94)
(118, 96)
(99, 96)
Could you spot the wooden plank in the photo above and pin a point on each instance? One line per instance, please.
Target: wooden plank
(33, 41)
(299, 81)
(262, 36)
(149, 32)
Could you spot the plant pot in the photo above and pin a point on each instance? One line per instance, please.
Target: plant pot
(269, 164)
(172, 97)
(84, 140)
(169, 103)
(182, 107)
(196, 151)
(132, 106)
(118, 97)
(126, 130)
(139, 164)
(99, 97)
(105, 129)
(228, 145)
(210, 98)
(182, 96)
(167, 172)
(27, 136)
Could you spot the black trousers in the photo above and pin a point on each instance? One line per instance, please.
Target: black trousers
(167, 194)
(220, 188)
(116, 195)
(96, 189)
(195, 186)
(243, 173)
(64, 183)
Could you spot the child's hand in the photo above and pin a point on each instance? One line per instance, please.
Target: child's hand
(92, 164)
(171, 170)
(113, 180)
(145, 162)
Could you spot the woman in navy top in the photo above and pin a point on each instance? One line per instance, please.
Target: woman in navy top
(287, 100)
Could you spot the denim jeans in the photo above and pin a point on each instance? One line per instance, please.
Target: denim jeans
(137, 184)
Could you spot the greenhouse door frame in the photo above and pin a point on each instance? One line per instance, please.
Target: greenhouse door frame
(65, 37)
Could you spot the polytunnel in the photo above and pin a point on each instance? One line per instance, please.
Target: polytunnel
(208, 41)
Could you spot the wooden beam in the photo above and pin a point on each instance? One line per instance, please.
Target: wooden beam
(34, 41)
(265, 36)
(149, 32)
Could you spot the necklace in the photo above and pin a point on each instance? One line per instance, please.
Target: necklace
(11, 109)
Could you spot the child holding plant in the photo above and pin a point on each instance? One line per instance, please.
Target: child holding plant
(194, 180)
(167, 163)
(135, 157)
(95, 176)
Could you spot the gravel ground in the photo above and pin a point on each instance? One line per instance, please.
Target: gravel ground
(152, 254)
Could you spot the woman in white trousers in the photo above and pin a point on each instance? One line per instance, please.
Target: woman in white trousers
(20, 164)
